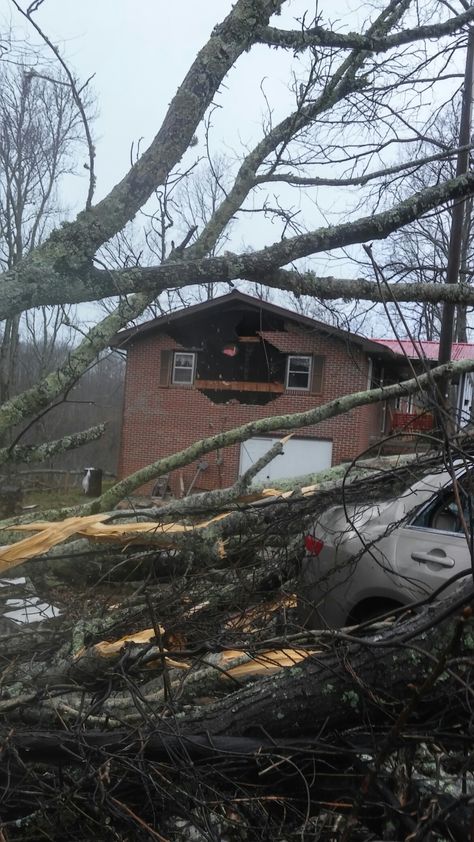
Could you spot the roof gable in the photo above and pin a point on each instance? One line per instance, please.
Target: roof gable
(124, 337)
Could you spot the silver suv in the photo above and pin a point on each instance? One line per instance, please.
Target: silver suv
(364, 560)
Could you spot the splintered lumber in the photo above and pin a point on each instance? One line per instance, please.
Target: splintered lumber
(263, 663)
(229, 664)
(49, 534)
(93, 661)
(108, 648)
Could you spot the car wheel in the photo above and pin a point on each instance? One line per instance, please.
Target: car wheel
(370, 610)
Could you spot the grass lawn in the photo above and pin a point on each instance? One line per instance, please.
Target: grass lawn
(56, 498)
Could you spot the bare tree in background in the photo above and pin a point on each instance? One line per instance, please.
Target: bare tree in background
(418, 253)
(40, 136)
(184, 205)
(96, 399)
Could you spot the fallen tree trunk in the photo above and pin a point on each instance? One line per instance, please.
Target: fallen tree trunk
(373, 677)
(200, 682)
(332, 721)
(346, 679)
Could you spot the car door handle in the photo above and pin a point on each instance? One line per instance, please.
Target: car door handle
(431, 558)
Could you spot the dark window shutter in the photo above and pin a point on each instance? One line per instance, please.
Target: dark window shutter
(317, 375)
(166, 359)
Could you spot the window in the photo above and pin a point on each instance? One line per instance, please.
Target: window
(183, 368)
(442, 513)
(404, 403)
(298, 373)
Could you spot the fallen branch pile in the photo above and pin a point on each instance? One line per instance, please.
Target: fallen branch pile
(177, 697)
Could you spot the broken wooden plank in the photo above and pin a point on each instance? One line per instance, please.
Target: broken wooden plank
(239, 386)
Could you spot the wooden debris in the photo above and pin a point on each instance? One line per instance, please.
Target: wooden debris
(246, 621)
(264, 663)
(103, 655)
(231, 663)
(49, 534)
(107, 647)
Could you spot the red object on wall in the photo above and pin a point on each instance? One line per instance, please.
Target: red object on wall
(412, 421)
(230, 350)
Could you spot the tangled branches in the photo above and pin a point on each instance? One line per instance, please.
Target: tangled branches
(178, 697)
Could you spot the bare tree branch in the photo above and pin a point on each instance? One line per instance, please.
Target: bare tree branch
(318, 36)
(40, 453)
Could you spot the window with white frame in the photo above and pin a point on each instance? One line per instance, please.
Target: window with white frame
(183, 368)
(298, 373)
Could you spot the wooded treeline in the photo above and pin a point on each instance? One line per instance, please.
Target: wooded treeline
(95, 399)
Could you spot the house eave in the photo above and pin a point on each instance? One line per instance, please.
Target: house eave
(124, 338)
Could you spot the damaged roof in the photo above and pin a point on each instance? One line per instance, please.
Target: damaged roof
(124, 337)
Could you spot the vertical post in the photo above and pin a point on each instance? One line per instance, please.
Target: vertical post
(457, 218)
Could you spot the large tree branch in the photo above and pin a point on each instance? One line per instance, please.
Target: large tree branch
(362, 289)
(316, 692)
(359, 180)
(318, 36)
(374, 227)
(38, 397)
(344, 81)
(74, 245)
(33, 287)
(39, 453)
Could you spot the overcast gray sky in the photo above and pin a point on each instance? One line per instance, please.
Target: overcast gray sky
(139, 51)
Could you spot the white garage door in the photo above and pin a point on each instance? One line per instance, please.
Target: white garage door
(300, 456)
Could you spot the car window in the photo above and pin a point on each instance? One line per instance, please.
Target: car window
(444, 513)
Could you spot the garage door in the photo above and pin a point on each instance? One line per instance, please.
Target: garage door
(300, 456)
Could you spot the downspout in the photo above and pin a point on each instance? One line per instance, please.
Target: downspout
(384, 403)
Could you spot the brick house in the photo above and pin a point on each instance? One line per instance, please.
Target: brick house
(216, 365)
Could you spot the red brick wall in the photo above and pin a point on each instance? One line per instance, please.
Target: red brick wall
(159, 421)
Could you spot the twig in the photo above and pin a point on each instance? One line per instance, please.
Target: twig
(139, 821)
(167, 691)
(75, 93)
